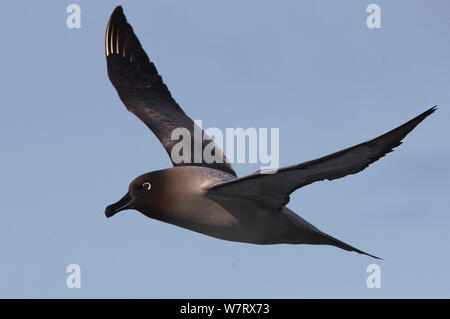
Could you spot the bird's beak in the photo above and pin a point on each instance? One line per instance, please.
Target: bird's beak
(122, 204)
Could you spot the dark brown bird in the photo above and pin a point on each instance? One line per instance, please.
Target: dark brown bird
(208, 197)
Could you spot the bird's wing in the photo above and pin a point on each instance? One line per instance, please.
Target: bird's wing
(274, 189)
(143, 92)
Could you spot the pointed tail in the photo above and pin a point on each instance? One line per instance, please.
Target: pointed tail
(329, 240)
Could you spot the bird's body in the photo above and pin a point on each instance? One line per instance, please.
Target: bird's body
(184, 191)
(207, 197)
(182, 199)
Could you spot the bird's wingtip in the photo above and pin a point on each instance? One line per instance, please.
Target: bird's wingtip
(117, 12)
(430, 110)
(118, 9)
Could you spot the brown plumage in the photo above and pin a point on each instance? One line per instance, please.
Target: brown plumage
(208, 197)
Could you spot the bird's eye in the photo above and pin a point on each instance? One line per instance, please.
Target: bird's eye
(147, 185)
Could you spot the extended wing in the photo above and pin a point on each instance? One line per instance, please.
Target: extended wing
(274, 189)
(143, 92)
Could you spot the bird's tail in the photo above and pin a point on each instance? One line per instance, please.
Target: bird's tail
(325, 239)
(306, 233)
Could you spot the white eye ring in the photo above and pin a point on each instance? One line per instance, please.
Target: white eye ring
(147, 185)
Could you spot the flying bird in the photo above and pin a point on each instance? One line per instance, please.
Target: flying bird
(208, 197)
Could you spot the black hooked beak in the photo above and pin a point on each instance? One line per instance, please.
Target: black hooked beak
(122, 204)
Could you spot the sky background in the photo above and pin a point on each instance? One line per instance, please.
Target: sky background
(311, 68)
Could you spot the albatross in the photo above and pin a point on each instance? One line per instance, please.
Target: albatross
(209, 198)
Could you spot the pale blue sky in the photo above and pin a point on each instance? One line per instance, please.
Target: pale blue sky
(311, 68)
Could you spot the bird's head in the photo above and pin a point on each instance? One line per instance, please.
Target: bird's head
(143, 192)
